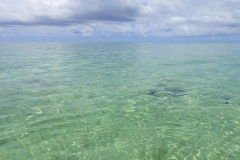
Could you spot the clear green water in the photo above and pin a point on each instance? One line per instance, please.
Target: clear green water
(123, 101)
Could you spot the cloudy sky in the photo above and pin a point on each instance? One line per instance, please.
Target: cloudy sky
(119, 19)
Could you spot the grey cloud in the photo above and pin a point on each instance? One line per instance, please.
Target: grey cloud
(104, 10)
(126, 14)
(108, 10)
(43, 20)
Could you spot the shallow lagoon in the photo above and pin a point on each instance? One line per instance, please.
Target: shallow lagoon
(119, 101)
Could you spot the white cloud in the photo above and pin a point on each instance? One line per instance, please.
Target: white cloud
(177, 19)
(83, 30)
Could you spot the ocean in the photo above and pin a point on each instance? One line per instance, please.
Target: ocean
(119, 101)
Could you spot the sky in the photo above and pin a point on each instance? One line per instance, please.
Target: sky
(119, 20)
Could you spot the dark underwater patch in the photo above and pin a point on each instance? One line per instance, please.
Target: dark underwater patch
(3, 141)
(175, 90)
(152, 92)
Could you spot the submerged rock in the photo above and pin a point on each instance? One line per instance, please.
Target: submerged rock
(152, 92)
(161, 84)
(3, 141)
(226, 97)
(164, 89)
(226, 102)
(91, 95)
(175, 90)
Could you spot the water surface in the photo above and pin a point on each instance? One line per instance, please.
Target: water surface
(131, 101)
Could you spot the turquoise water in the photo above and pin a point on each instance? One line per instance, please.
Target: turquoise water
(123, 101)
